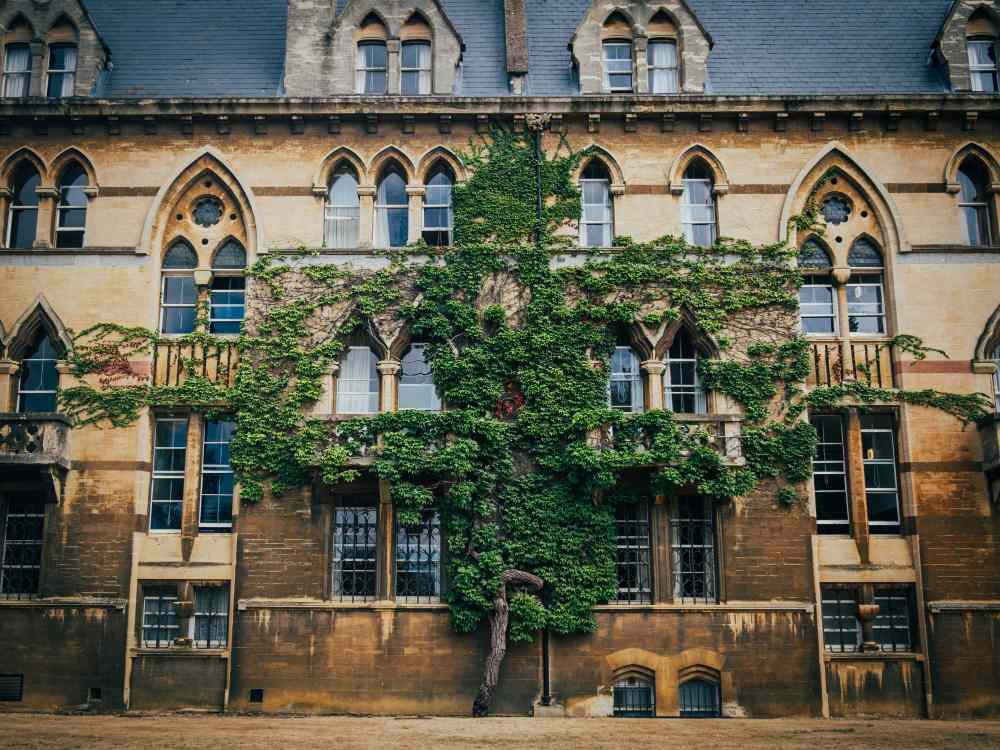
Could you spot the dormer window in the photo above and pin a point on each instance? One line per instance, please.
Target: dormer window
(16, 70)
(661, 60)
(415, 69)
(62, 70)
(373, 68)
(618, 66)
(983, 65)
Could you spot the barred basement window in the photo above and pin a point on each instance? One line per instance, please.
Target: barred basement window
(11, 687)
(355, 553)
(159, 620)
(211, 616)
(692, 552)
(633, 553)
(700, 699)
(841, 629)
(418, 559)
(633, 697)
(833, 507)
(894, 627)
(22, 528)
(167, 490)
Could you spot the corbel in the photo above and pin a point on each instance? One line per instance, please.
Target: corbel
(187, 125)
(76, 126)
(260, 125)
(892, 121)
(857, 122)
(780, 122)
(593, 123)
(114, 125)
(482, 124)
(557, 124)
(617, 189)
(371, 123)
(222, 124)
(298, 125)
(444, 124)
(705, 122)
(969, 124)
(931, 123)
(203, 277)
(149, 125)
(631, 122)
(333, 124)
(743, 122)
(409, 124)
(40, 125)
(667, 122)
(818, 121)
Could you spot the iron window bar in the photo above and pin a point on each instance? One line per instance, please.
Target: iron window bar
(21, 551)
(211, 616)
(632, 549)
(633, 698)
(700, 699)
(893, 629)
(692, 552)
(159, 620)
(355, 553)
(841, 628)
(418, 560)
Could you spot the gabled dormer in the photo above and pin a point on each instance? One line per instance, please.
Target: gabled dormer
(967, 46)
(50, 49)
(640, 47)
(371, 47)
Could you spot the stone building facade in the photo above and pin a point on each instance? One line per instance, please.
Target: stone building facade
(135, 185)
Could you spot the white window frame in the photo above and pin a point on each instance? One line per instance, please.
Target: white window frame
(448, 206)
(676, 68)
(331, 217)
(982, 67)
(687, 210)
(891, 461)
(833, 468)
(213, 306)
(213, 469)
(164, 306)
(634, 377)
(387, 207)
(803, 315)
(61, 206)
(22, 74)
(876, 283)
(175, 628)
(607, 63)
(977, 206)
(423, 73)
(344, 390)
(21, 392)
(696, 389)
(362, 69)
(167, 474)
(608, 206)
(67, 73)
(428, 391)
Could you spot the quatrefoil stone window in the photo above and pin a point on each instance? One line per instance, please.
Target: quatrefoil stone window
(208, 212)
(836, 210)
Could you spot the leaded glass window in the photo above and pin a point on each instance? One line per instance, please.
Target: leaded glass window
(633, 553)
(836, 209)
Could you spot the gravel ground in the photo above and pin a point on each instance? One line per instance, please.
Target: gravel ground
(180, 732)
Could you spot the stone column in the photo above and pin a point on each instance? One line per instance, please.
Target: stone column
(384, 576)
(203, 280)
(366, 194)
(856, 484)
(659, 527)
(44, 228)
(388, 369)
(37, 69)
(653, 369)
(840, 278)
(639, 45)
(392, 48)
(8, 385)
(5, 198)
(327, 402)
(191, 506)
(415, 193)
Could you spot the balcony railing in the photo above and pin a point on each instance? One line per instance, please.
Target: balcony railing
(833, 363)
(35, 440)
(175, 361)
(719, 431)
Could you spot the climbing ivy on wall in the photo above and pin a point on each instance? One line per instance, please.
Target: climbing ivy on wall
(526, 501)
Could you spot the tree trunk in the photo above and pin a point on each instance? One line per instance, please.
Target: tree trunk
(499, 618)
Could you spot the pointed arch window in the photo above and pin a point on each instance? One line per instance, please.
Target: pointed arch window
(357, 380)
(38, 380)
(22, 218)
(62, 70)
(661, 61)
(416, 381)
(16, 70)
(865, 290)
(178, 293)
(415, 68)
(71, 218)
(698, 214)
(625, 386)
(392, 210)
(683, 392)
(227, 298)
(817, 296)
(618, 66)
(373, 68)
(974, 203)
(343, 209)
(437, 207)
(597, 218)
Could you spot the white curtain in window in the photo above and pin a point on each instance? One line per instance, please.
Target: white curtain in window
(17, 70)
(416, 381)
(381, 226)
(69, 77)
(343, 212)
(425, 68)
(663, 67)
(357, 383)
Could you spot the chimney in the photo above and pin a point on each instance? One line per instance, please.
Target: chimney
(515, 25)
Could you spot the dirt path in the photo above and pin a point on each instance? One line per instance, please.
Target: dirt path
(184, 732)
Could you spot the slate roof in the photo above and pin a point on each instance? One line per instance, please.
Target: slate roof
(236, 47)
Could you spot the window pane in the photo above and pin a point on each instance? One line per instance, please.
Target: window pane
(375, 82)
(355, 547)
(179, 290)
(418, 559)
(23, 228)
(633, 552)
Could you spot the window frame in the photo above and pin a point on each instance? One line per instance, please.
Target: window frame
(695, 389)
(980, 68)
(205, 469)
(158, 594)
(331, 209)
(6, 544)
(652, 68)
(633, 536)
(607, 44)
(166, 593)
(62, 72)
(430, 525)
(341, 391)
(637, 401)
(21, 392)
(424, 74)
(370, 547)
(62, 206)
(608, 208)
(712, 710)
(389, 209)
(843, 526)
(984, 207)
(362, 71)
(435, 398)
(165, 274)
(629, 685)
(680, 519)
(448, 208)
(687, 221)
(15, 209)
(892, 528)
(24, 75)
(833, 316)
(170, 475)
(864, 278)
(193, 621)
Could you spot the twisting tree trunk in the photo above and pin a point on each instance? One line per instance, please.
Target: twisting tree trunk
(499, 618)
